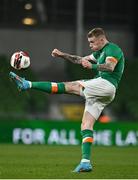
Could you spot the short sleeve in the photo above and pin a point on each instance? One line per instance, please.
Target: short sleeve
(114, 51)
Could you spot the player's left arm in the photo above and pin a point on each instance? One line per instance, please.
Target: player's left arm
(109, 64)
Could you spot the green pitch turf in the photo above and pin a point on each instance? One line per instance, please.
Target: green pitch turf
(57, 162)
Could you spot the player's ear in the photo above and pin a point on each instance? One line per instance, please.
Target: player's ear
(102, 39)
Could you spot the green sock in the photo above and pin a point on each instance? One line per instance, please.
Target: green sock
(49, 87)
(87, 139)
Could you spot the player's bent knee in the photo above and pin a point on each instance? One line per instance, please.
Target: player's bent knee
(72, 87)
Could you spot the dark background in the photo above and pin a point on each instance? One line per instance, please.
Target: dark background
(57, 24)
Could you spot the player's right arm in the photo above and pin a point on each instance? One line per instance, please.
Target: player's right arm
(73, 58)
(90, 58)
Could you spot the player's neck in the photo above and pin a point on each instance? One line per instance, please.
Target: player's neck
(104, 43)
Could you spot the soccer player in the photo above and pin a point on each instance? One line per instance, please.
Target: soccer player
(108, 60)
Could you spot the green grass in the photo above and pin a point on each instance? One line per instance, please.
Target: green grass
(57, 162)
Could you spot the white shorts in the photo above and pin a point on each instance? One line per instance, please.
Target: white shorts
(98, 93)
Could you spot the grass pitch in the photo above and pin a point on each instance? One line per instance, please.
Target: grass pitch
(57, 162)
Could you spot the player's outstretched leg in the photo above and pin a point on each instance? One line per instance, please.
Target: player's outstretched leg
(21, 83)
(48, 87)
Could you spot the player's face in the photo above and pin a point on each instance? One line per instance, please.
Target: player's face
(95, 43)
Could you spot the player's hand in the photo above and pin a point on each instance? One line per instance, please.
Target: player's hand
(57, 53)
(86, 64)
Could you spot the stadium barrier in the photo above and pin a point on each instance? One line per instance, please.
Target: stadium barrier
(66, 132)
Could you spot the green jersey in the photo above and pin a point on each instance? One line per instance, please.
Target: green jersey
(110, 50)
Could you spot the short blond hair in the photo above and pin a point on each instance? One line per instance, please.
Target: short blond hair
(96, 32)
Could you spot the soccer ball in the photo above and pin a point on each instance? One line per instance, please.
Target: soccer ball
(20, 60)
